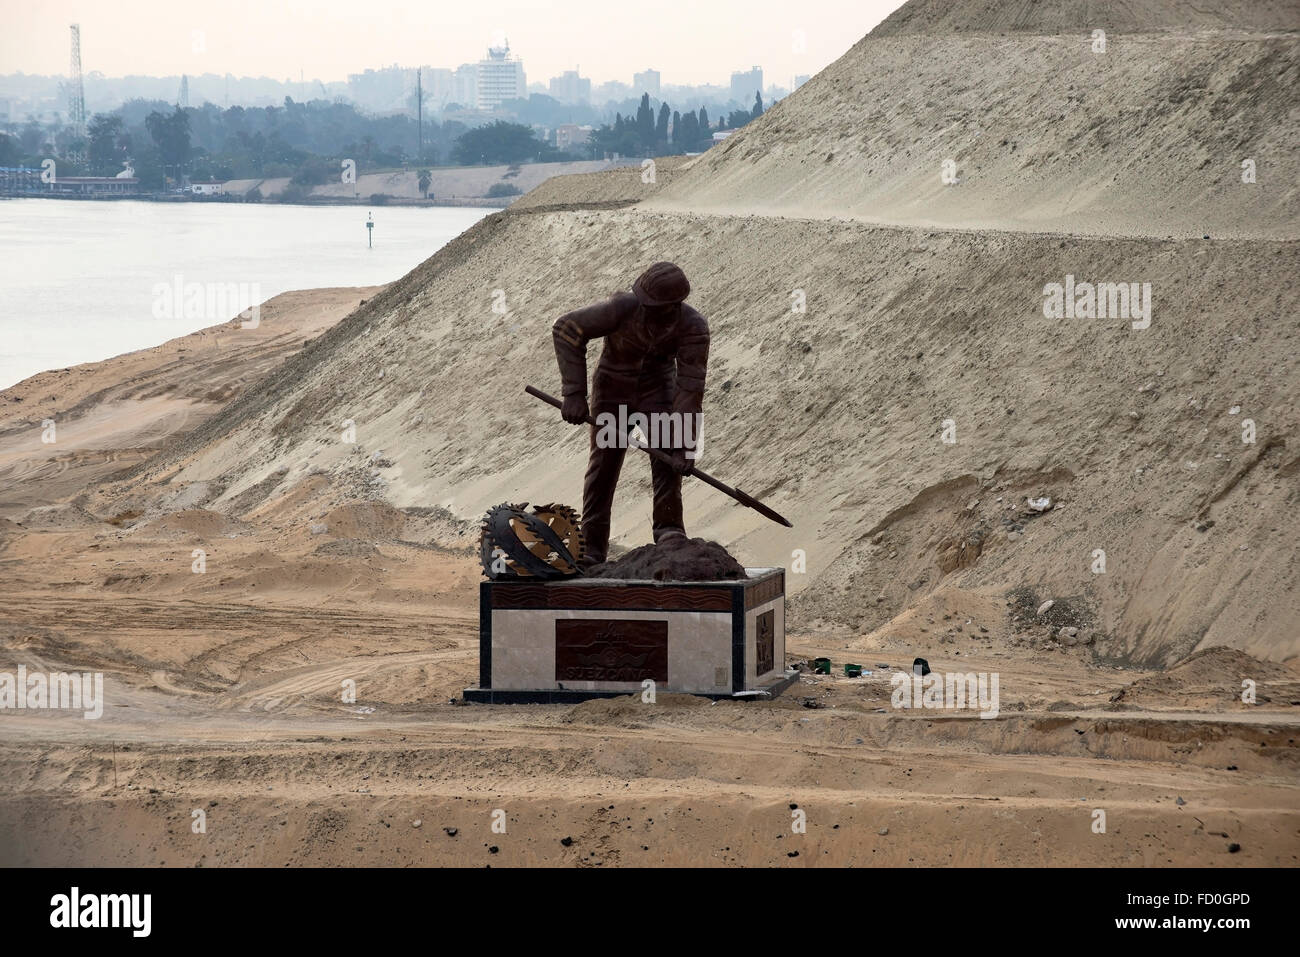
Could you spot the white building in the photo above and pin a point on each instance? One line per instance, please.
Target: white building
(612, 90)
(465, 86)
(571, 88)
(646, 81)
(383, 89)
(499, 77)
(206, 189)
(439, 86)
(745, 85)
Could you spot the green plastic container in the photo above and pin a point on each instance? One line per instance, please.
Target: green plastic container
(822, 666)
(853, 671)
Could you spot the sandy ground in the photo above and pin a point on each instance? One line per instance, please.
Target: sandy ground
(224, 696)
(111, 414)
(239, 525)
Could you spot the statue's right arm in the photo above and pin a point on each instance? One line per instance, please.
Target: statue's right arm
(573, 330)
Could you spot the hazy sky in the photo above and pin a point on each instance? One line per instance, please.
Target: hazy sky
(688, 41)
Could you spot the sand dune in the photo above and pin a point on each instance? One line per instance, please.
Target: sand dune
(1042, 133)
(1049, 17)
(1134, 431)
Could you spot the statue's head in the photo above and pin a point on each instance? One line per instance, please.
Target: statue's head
(661, 287)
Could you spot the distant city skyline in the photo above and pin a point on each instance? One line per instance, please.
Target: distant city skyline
(686, 42)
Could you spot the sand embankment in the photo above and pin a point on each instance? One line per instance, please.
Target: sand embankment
(450, 185)
(108, 415)
(1137, 435)
(1042, 133)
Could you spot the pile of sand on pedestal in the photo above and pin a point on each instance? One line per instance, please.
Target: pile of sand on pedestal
(676, 560)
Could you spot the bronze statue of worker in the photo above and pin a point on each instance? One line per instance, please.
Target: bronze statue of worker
(653, 361)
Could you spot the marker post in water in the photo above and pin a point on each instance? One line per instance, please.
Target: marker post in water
(370, 231)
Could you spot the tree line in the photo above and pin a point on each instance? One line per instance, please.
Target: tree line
(307, 142)
(651, 134)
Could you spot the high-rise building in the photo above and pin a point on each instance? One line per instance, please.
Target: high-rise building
(612, 90)
(646, 81)
(464, 86)
(745, 85)
(500, 77)
(800, 80)
(382, 89)
(571, 88)
(439, 86)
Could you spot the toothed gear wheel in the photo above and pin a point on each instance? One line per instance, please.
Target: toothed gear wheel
(544, 543)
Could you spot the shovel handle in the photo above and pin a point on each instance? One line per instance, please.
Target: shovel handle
(743, 498)
(552, 400)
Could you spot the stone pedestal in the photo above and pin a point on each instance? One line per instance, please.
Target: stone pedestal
(566, 641)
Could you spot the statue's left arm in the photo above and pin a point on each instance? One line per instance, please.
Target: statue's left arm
(692, 363)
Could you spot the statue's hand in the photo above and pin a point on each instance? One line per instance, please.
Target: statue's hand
(574, 410)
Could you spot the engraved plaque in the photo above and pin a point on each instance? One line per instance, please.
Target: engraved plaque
(589, 649)
(765, 641)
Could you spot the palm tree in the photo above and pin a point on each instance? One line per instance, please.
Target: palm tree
(425, 178)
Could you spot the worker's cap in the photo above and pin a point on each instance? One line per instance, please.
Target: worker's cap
(663, 284)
